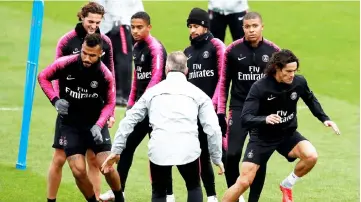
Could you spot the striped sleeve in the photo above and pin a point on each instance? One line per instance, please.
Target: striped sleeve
(157, 61)
(220, 49)
(59, 52)
(133, 90)
(109, 60)
(52, 73)
(109, 105)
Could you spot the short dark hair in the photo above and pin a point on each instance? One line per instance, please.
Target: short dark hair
(280, 60)
(142, 15)
(91, 7)
(252, 15)
(93, 40)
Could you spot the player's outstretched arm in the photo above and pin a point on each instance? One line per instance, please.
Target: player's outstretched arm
(209, 121)
(315, 107)
(126, 126)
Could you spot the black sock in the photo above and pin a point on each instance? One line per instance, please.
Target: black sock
(118, 196)
(257, 185)
(52, 200)
(92, 199)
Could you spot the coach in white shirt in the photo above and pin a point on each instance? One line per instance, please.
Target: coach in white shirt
(173, 107)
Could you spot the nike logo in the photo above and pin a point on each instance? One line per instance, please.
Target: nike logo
(189, 57)
(241, 58)
(76, 52)
(69, 78)
(103, 53)
(271, 98)
(106, 139)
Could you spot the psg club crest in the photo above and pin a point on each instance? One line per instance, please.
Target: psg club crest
(206, 54)
(293, 96)
(94, 84)
(265, 58)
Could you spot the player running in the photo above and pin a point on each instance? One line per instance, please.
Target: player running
(205, 61)
(270, 113)
(85, 102)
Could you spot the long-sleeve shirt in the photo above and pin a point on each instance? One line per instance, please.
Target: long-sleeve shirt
(205, 63)
(71, 42)
(173, 106)
(149, 58)
(89, 90)
(243, 65)
(267, 96)
(118, 10)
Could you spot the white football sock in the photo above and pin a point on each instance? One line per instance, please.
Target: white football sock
(290, 181)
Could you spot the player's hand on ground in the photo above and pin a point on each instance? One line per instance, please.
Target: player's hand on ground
(222, 123)
(109, 161)
(221, 168)
(333, 126)
(62, 106)
(111, 122)
(273, 119)
(97, 134)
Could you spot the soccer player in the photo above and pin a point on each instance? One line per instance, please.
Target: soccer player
(85, 102)
(149, 61)
(270, 112)
(116, 25)
(227, 13)
(205, 60)
(90, 17)
(174, 139)
(245, 60)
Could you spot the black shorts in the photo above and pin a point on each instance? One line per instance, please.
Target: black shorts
(78, 139)
(259, 151)
(58, 138)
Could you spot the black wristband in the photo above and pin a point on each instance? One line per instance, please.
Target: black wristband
(53, 101)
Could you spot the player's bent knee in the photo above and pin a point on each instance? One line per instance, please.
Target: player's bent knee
(243, 181)
(78, 172)
(59, 158)
(312, 158)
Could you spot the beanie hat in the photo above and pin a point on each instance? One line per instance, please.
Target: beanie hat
(198, 16)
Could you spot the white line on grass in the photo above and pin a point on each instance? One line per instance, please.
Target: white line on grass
(10, 108)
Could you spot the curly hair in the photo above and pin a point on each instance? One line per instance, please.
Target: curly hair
(93, 40)
(91, 7)
(279, 60)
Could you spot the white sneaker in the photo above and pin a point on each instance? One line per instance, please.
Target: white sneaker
(241, 199)
(107, 196)
(212, 199)
(170, 198)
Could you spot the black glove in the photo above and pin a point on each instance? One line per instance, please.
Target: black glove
(222, 123)
(97, 134)
(62, 106)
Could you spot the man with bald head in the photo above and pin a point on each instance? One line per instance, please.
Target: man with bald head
(173, 107)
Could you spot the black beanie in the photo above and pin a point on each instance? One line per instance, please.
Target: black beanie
(198, 16)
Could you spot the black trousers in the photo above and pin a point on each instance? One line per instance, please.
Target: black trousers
(219, 23)
(122, 42)
(207, 173)
(190, 174)
(126, 158)
(236, 136)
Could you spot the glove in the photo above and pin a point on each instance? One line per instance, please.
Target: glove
(62, 106)
(222, 123)
(96, 132)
